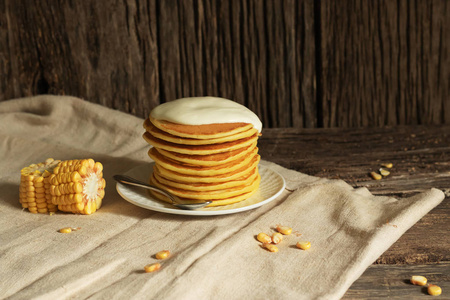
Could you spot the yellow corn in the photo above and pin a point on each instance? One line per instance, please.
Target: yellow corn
(152, 267)
(277, 238)
(66, 230)
(77, 186)
(387, 165)
(270, 247)
(418, 280)
(163, 254)
(375, 175)
(303, 245)
(434, 290)
(384, 172)
(263, 238)
(284, 230)
(33, 192)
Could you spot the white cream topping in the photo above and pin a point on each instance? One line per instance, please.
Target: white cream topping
(205, 110)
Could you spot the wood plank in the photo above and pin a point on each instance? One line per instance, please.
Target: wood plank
(385, 63)
(250, 57)
(350, 154)
(421, 158)
(295, 63)
(248, 51)
(106, 54)
(20, 69)
(7, 87)
(392, 282)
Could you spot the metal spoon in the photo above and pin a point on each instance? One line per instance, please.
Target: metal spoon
(175, 200)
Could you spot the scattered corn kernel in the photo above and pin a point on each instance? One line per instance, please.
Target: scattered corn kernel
(418, 280)
(152, 267)
(163, 254)
(387, 165)
(303, 245)
(384, 172)
(434, 290)
(375, 175)
(277, 238)
(263, 238)
(270, 247)
(65, 230)
(284, 230)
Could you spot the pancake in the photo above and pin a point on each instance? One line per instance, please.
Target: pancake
(201, 170)
(235, 175)
(220, 202)
(207, 131)
(210, 195)
(196, 186)
(200, 149)
(154, 131)
(204, 148)
(208, 160)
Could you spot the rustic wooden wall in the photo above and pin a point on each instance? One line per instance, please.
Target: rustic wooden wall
(296, 63)
(385, 63)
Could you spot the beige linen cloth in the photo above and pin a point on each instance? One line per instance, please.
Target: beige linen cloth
(214, 257)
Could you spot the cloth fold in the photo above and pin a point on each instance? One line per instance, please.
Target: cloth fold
(214, 257)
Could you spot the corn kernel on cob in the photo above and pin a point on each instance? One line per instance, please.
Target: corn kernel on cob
(78, 186)
(33, 189)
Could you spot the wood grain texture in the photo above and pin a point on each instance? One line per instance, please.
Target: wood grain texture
(393, 282)
(106, 54)
(256, 53)
(385, 62)
(421, 159)
(133, 55)
(300, 64)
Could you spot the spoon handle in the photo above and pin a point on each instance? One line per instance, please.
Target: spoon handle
(131, 181)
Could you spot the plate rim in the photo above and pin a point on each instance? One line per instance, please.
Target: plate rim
(177, 211)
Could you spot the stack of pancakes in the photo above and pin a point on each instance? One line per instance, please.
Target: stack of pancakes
(217, 162)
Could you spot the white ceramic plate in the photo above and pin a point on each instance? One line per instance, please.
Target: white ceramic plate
(272, 184)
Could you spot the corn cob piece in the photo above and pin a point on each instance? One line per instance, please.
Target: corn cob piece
(33, 190)
(78, 186)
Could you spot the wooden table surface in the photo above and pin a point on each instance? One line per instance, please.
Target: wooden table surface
(421, 159)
